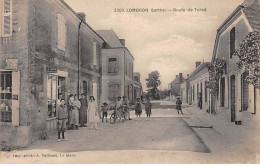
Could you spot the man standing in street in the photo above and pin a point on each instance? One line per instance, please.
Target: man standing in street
(62, 116)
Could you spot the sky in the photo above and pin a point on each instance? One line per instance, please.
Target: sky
(170, 42)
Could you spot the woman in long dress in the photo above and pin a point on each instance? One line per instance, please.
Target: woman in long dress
(93, 112)
(75, 111)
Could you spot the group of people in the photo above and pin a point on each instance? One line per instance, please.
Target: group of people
(76, 113)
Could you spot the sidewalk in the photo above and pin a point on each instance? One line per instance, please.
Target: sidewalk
(221, 135)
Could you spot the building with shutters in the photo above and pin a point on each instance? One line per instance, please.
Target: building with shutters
(138, 89)
(198, 91)
(235, 95)
(47, 51)
(117, 68)
(175, 85)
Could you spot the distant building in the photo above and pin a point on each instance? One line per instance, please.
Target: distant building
(185, 88)
(175, 85)
(198, 92)
(138, 90)
(117, 68)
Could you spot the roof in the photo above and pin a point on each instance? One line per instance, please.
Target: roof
(177, 80)
(110, 37)
(199, 68)
(251, 9)
(252, 12)
(76, 14)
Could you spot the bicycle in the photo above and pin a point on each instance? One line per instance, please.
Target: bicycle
(114, 116)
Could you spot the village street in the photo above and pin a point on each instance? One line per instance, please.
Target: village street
(166, 137)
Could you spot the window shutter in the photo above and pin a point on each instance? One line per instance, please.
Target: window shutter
(6, 26)
(61, 41)
(7, 6)
(94, 45)
(15, 101)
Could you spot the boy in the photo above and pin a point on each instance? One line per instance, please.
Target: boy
(178, 105)
(104, 111)
(62, 116)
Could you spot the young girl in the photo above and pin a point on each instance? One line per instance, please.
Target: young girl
(148, 107)
(93, 112)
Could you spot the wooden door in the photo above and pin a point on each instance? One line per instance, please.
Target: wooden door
(233, 97)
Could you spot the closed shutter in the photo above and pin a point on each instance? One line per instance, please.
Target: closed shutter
(61, 41)
(94, 45)
(16, 97)
(6, 25)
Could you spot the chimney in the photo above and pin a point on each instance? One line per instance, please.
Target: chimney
(82, 16)
(198, 63)
(180, 74)
(122, 41)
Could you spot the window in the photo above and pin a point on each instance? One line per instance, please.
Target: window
(9, 101)
(6, 27)
(113, 92)
(193, 92)
(61, 42)
(94, 45)
(206, 92)
(232, 41)
(112, 66)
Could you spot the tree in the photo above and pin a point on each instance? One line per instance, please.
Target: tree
(249, 57)
(152, 83)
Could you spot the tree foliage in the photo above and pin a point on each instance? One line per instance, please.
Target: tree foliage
(152, 83)
(249, 57)
(216, 69)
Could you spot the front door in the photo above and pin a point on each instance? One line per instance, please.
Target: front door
(233, 97)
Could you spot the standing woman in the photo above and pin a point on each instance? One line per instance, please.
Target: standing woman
(138, 108)
(93, 112)
(148, 107)
(83, 110)
(75, 111)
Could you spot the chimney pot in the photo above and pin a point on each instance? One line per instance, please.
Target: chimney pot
(82, 16)
(197, 63)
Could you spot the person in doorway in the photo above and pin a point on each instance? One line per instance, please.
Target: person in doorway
(83, 111)
(62, 115)
(93, 112)
(75, 112)
(178, 105)
(126, 107)
(138, 108)
(148, 107)
(104, 111)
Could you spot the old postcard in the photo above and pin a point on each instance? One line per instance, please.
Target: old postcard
(129, 81)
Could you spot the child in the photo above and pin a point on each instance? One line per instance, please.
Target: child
(178, 105)
(148, 107)
(62, 116)
(104, 111)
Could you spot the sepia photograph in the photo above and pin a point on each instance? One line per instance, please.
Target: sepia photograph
(129, 82)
